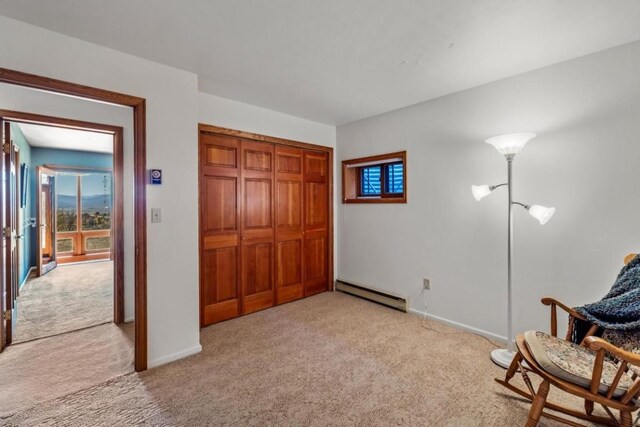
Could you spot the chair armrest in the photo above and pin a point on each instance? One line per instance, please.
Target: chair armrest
(554, 315)
(596, 344)
(552, 301)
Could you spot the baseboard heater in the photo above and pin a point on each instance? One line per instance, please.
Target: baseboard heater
(395, 301)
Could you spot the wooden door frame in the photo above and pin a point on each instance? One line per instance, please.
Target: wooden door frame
(217, 130)
(38, 189)
(139, 177)
(116, 170)
(6, 258)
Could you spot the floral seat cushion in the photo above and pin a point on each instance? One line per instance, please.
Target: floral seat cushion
(573, 363)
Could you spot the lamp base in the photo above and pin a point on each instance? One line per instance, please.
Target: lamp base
(502, 357)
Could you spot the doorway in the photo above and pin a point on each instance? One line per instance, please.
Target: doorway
(71, 216)
(138, 106)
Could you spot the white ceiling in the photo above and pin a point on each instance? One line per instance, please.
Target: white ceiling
(336, 61)
(66, 139)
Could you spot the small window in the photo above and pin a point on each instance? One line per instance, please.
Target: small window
(375, 179)
(370, 181)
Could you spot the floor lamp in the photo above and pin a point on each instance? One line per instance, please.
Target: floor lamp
(510, 145)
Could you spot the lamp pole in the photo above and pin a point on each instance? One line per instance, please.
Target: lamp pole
(503, 357)
(509, 252)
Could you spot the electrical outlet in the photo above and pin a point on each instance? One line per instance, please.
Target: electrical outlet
(426, 284)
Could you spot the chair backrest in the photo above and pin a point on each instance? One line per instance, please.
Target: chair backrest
(628, 364)
(629, 257)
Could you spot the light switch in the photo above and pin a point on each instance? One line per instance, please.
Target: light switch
(156, 215)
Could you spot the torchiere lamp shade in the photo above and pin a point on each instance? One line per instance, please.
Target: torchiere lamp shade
(510, 144)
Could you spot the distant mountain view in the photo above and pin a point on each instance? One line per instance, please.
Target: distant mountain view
(91, 204)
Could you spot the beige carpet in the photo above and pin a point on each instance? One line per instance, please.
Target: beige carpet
(68, 298)
(41, 370)
(328, 360)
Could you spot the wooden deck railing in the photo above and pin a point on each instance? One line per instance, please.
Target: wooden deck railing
(79, 250)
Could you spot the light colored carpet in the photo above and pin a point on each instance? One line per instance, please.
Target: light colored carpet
(328, 360)
(68, 298)
(45, 369)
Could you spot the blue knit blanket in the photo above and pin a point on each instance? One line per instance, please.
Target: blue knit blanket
(619, 309)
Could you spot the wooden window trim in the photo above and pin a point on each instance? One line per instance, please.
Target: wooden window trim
(351, 179)
(79, 236)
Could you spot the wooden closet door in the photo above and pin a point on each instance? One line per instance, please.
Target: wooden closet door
(258, 237)
(289, 227)
(316, 222)
(219, 228)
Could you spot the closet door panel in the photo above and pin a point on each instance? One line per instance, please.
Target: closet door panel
(289, 224)
(258, 248)
(257, 201)
(220, 203)
(316, 222)
(219, 225)
(316, 262)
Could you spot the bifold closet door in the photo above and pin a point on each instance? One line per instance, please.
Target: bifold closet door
(219, 228)
(289, 229)
(316, 222)
(258, 235)
(264, 225)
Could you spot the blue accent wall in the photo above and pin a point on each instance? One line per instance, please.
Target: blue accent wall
(39, 156)
(50, 156)
(27, 247)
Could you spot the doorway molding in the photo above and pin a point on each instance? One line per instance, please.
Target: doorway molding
(139, 177)
(118, 188)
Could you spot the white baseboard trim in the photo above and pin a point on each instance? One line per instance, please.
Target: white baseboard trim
(175, 356)
(129, 319)
(26, 277)
(458, 325)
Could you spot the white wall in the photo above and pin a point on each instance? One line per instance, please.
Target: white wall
(224, 112)
(17, 98)
(585, 162)
(172, 109)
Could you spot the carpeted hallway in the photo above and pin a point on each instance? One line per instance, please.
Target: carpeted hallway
(68, 298)
(328, 360)
(48, 368)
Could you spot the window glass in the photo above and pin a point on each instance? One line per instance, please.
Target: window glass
(67, 202)
(370, 180)
(98, 243)
(394, 178)
(96, 201)
(64, 245)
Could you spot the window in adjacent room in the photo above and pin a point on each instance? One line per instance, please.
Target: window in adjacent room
(375, 179)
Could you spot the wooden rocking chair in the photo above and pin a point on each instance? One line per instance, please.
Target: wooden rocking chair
(597, 371)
